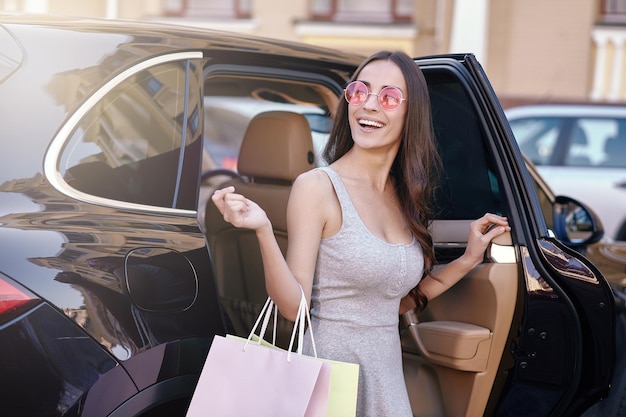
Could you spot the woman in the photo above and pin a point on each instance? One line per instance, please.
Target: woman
(359, 243)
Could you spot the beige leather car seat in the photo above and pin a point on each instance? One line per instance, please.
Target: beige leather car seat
(276, 148)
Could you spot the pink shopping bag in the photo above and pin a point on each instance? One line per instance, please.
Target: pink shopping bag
(255, 380)
(243, 378)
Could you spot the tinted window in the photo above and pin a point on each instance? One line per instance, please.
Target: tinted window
(469, 186)
(128, 147)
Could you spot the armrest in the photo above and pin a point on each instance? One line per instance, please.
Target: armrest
(457, 345)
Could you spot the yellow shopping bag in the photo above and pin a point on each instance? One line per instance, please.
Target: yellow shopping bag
(344, 385)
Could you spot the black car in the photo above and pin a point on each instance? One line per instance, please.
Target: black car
(111, 288)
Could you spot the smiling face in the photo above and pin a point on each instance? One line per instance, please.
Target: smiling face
(370, 124)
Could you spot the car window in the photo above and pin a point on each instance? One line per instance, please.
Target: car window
(596, 142)
(469, 186)
(572, 141)
(131, 145)
(537, 137)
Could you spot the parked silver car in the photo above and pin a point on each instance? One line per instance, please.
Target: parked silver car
(580, 151)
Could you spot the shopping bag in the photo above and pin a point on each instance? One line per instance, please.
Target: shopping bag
(344, 376)
(344, 383)
(242, 377)
(344, 386)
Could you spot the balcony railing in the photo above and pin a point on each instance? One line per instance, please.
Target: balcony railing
(362, 11)
(229, 9)
(613, 11)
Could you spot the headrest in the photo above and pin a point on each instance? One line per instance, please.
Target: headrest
(277, 146)
(615, 146)
(579, 137)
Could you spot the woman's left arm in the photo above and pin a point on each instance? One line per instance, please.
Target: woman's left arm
(482, 232)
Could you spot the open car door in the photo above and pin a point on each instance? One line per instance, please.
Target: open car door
(530, 331)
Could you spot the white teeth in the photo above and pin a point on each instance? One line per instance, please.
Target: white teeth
(370, 123)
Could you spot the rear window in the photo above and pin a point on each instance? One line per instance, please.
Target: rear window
(132, 145)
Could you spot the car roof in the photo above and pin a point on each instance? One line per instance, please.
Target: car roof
(204, 37)
(52, 64)
(566, 110)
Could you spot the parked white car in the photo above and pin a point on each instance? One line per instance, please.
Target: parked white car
(580, 151)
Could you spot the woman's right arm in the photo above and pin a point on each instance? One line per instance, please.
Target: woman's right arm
(307, 213)
(305, 223)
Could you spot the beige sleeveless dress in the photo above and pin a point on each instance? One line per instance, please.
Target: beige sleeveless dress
(358, 283)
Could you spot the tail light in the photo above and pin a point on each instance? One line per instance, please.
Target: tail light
(14, 301)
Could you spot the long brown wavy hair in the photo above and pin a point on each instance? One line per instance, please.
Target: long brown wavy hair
(415, 170)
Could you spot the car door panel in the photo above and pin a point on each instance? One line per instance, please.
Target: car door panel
(456, 346)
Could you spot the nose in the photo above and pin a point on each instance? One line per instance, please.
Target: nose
(371, 101)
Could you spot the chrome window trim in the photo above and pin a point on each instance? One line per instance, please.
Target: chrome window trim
(54, 151)
(183, 145)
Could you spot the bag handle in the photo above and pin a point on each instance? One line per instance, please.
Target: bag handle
(303, 318)
(265, 315)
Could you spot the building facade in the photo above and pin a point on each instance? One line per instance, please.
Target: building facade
(532, 50)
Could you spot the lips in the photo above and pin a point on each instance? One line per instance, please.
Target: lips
(370, 123)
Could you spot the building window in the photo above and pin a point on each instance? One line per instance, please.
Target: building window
(362, 11)
(613, 11)
(229, 9)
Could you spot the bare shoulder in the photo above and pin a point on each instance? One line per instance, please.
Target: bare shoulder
(313, 196)
(311, 188)
(315, 182)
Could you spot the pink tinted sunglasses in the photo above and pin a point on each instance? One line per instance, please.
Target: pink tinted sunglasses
(389, 98)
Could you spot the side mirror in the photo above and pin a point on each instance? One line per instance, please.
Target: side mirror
(575, 224)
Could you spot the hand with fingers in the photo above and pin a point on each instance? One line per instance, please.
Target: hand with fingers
(482, 232)
(238, 210)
